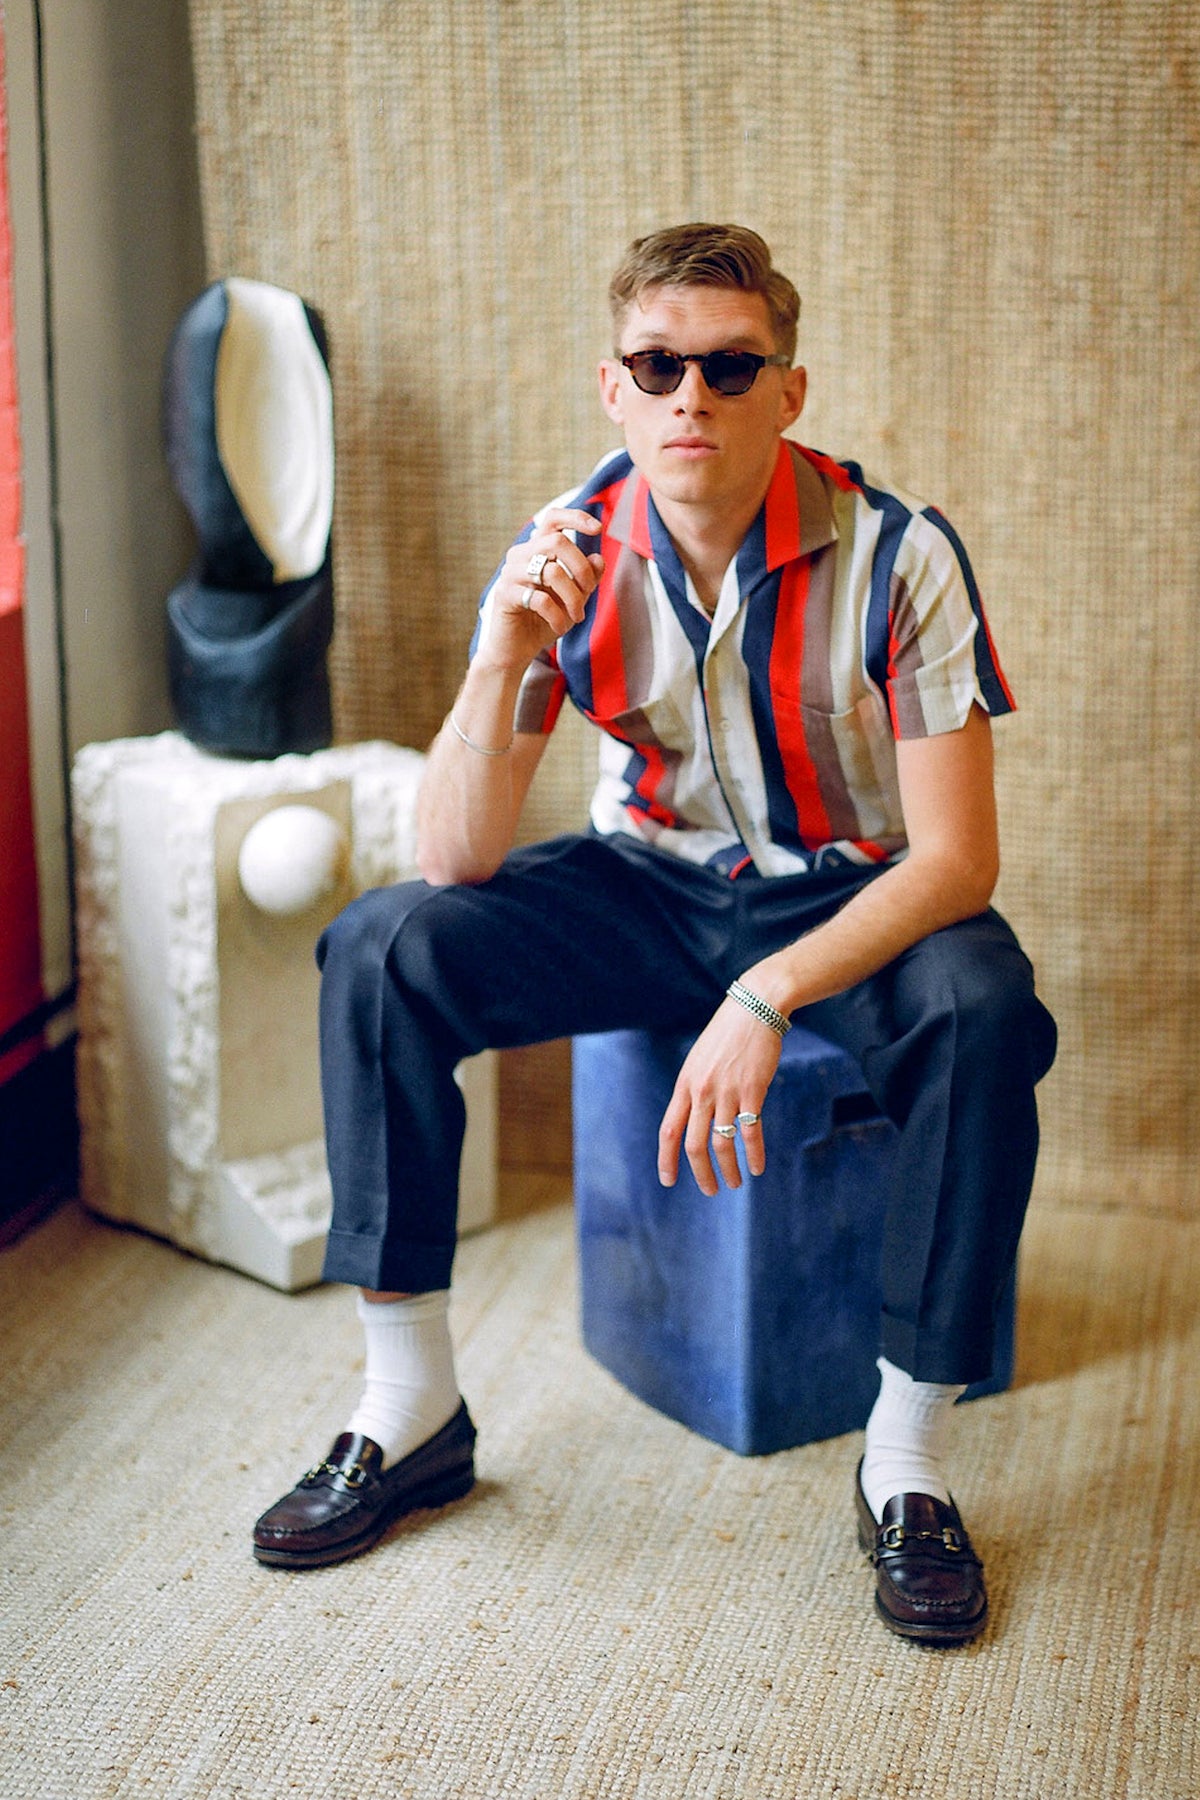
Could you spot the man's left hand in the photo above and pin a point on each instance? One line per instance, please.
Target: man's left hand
(724, 1081)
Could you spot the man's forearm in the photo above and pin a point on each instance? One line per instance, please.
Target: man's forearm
(949, 873)
(478, 773)
(898, 909)
(474, 784)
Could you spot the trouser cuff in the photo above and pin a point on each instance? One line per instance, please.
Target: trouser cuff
(396, 1268)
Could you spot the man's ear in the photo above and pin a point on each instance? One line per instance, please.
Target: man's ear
(795, 387)
(609, 376)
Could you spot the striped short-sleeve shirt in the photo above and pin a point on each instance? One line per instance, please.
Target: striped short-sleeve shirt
(766, 736)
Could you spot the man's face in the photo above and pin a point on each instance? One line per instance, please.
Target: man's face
(695, 447)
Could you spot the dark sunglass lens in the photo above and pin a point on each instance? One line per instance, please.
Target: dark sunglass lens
(731, 371)
(656, 371)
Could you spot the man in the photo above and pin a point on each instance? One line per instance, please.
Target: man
(795, 816)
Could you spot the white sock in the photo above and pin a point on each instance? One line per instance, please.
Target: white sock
(906, 1438)
(411, 1389)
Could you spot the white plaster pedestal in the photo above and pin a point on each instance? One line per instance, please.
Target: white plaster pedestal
(199, 1094)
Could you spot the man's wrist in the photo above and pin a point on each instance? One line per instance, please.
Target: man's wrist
(479, 749)
(774, 980)
(481, 717)
(761, 1009)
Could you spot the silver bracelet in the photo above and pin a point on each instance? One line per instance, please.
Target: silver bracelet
(479, 749)
(762, 1009)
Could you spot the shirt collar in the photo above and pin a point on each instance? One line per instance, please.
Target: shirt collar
(798, 515)
(799, 518)
(630, 521)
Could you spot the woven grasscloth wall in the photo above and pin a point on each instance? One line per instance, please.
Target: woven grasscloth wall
(992, 209)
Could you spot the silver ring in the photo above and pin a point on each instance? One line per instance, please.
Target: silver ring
(748, 1118)
(535, 565)
(526, 598)
(725, 1131)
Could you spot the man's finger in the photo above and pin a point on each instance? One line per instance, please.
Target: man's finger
(724, 1143)
(568, 589)
(572, 518)
(670, 1133)
(695, 1144)
(750, 1126)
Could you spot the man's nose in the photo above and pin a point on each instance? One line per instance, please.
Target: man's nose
(693, 393)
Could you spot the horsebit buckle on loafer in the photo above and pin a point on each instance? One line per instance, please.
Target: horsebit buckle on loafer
(353, 1474)
(894, 1537)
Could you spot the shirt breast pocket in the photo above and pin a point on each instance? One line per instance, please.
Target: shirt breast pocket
(854, 754)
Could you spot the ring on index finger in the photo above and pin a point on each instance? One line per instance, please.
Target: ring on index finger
(535, 565)
(748, 1118)
(725, 1131)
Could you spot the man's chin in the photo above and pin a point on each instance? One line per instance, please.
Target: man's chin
(687, 480)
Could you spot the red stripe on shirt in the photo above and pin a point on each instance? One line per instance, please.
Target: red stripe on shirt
(783, 512)
(840, 477)
(610, 694)
(648, 785)
(893, 652)
(987, 632)
(639, 527)
(787, 662)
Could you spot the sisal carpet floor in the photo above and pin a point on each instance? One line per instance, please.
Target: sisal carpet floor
(621, 1609)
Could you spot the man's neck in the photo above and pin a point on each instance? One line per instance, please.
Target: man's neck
(706, 542)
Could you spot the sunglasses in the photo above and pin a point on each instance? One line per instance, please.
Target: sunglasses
(724, 371)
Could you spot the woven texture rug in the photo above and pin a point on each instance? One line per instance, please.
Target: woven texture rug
(992, 209)
(621, 1610)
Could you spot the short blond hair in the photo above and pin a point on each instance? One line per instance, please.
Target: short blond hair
(698, 255)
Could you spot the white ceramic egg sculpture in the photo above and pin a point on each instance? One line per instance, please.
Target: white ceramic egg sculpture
(291, 859)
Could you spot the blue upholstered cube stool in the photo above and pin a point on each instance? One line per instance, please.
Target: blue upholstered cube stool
(752, 1317)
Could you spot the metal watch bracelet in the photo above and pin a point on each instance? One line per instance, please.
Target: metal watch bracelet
(762, 1009)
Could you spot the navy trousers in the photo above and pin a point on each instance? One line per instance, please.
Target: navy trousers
(585, 934)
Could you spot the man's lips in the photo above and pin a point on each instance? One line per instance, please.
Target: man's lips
(690, 445)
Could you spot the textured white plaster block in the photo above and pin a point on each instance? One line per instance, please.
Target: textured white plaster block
(199, 1096)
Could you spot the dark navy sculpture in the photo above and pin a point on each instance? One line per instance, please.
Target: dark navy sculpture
(248, 424)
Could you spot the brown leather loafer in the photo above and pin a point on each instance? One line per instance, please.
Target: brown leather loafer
(928, 1579)
(345, 1504)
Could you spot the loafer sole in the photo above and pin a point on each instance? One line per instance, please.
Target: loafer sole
(943, 1636)
(425, 1497)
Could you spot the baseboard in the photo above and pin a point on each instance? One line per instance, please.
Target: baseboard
(39, 1139)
